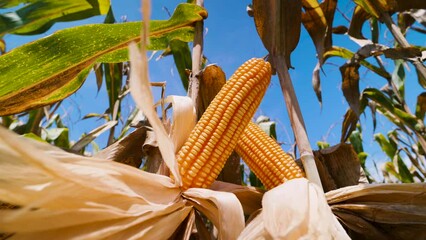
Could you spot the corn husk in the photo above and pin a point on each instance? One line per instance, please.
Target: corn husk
(296, 209)
(67, 196)
(381, 211)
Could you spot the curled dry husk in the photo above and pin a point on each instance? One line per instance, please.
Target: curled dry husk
(381, 211)
(67, 196)
(296, 209)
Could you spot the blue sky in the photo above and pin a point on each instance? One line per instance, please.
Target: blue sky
(231, 39)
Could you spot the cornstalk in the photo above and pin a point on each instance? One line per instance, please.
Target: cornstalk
(197, 54)
(297, 122)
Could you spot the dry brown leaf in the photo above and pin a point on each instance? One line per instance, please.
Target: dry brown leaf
(350, 85)
(381, 211)
(250, 197)
(340, 166)
(358, 18)
(278, 25)
(140, 90)
(127, 150)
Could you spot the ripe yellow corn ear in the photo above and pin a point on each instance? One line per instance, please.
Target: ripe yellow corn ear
(216, 134)
(266, 158)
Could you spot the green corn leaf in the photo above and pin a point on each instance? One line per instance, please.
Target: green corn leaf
(347, 54)
(52, 68)
(38, 16)
(386, 146)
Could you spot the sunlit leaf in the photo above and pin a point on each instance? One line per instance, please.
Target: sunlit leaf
(385, 105)
(13, 3)
(279, 30)
(376, 7)
(38, 16)
(347, 54)
(385, 145)
(406, 176)
(42, 77)
(356, 141)
(315, 23)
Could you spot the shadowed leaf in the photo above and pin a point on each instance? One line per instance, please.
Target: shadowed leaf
(127, 150)
(13, 3)
(182, 58)
(212, 79)
(358, 18)
(402, 53)
(340, 29)
(421, 106)
(43, 76)
(340, 166)
(2, 46)
(406, 176)
(278, 25)
(350, 86)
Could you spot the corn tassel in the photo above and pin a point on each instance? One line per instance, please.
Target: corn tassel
(266, 158)
(216, 134)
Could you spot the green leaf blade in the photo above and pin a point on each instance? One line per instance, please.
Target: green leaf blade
(52, 68)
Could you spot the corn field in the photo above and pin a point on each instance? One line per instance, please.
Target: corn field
(199, 165)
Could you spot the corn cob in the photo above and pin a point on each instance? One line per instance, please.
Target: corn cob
(216, 134)
(266, 158)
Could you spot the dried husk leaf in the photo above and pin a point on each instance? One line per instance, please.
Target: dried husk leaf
(139, 86)
(83, 197)
(222, 208)
(183, 119)
(249, 197)
(381, 211)
(296, 209)
(338, 166)
(76, 197)
(127, 150)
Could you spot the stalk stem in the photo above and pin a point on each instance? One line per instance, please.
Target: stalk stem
(297, 122)
(197, 55)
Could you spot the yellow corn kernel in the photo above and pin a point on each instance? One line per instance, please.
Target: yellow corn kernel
(226, 117)
(265, 157)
